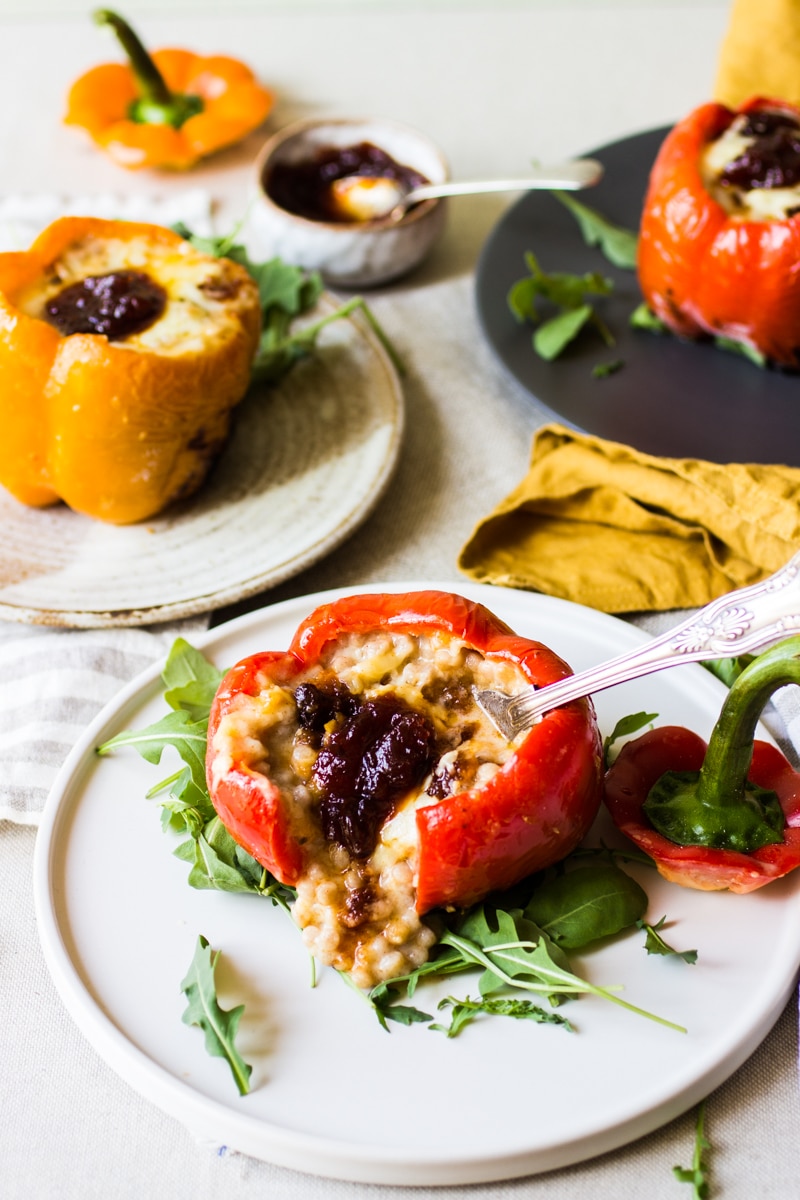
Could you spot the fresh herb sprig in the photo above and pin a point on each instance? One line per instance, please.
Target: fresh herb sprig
(624, 727)
(562, 291)
(655, 943)
(217, 861)
(616, 243)
(697, 1175)
(464, 1012)
(219, 1025)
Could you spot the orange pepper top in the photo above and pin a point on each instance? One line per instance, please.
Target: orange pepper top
(168, 109)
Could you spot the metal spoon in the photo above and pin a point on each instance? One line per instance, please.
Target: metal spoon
(740, 622)
(369, 198)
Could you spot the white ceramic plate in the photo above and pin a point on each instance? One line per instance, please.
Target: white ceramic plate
(333, 1094)
(306, 463)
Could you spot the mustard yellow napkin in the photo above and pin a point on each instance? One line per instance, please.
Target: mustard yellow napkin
(602, 524)
(760, 53)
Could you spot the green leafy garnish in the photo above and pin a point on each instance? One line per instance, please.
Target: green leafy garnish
(728, 669)
(578, 907)
(286, 292)
(559, 290)
(742, 348)
(463, 1012)
(217, 861)
(624, 727)
(218, 1024)
(697, 1174)
(601, 370)
(643, 318)
(526, 963)
(617, 244)
(655, 944)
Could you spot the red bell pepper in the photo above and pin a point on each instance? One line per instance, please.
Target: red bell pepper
(706, 269)
(531, 813)
(728, 814)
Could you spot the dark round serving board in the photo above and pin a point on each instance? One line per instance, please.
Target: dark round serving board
(673, 398)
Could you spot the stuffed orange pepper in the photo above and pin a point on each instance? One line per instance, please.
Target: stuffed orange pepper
(123, 351)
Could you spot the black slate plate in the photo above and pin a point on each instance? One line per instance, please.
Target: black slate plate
(673, 398)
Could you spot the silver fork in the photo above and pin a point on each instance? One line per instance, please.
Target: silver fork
(740, 622)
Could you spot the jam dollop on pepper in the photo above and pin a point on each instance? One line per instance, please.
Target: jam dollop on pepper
(168, 109)
(117, 305)
(720, 240)
(722, 816)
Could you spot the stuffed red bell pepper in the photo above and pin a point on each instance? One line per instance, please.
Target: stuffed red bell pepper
(357, 767)
(722, 816)
(719, 243)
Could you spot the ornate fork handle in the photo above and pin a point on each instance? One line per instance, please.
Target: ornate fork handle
(740, 622)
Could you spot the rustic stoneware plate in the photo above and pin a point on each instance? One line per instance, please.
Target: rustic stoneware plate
(332, 1093)
(306, 463)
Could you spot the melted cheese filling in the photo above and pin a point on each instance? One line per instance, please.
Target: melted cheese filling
(201, 291)
(759, 204)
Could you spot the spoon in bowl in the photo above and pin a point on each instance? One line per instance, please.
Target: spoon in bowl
(377, 198)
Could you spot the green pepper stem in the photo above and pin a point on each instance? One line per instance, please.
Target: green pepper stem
(723, 776)
(152, 85)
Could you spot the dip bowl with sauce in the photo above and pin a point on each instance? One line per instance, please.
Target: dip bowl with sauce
(296, 214)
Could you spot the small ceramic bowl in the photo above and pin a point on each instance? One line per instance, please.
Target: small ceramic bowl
(351, 254)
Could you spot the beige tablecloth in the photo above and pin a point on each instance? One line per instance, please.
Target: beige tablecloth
(469, 430)
(490, 85)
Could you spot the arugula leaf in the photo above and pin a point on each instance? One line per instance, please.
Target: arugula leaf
(404, 1014)
(624, 727)
(564, 291)
(601, 370)
(643, 318)
(218, 1024)
(655, 944)
(176, 729)
(728, 669)
(580, 906)
(615, 242)
(190, 680)
(465, 1011)
(742, 348)
(529, 965)
(697, 1174)
(552, 336)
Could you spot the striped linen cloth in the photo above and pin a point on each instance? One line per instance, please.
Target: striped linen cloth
(52, 684)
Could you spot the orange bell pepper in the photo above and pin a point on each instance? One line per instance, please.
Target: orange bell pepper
(706, 271)
(118, 427)
(168, 109)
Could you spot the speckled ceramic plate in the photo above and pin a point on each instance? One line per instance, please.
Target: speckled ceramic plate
(305, 465)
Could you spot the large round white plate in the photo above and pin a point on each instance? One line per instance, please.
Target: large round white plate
(333, 1094)
(305, 464)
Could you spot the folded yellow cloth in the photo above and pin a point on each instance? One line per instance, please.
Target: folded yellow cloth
(607, 526)
(760, 52)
